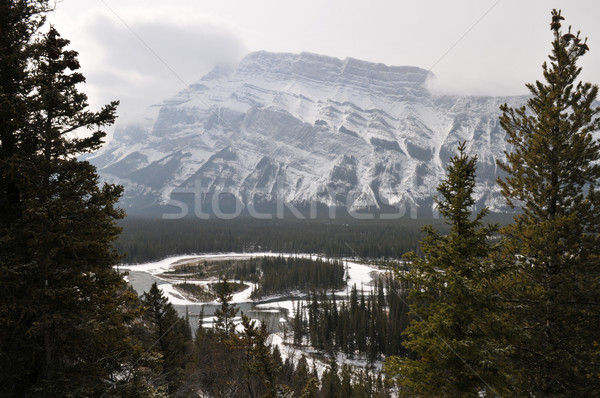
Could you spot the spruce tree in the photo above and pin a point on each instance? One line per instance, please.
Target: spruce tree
(260, 362)
(64, 311)
(553, 244)
(301, 375)
(449, 298)
(171, 335)
(225, 314)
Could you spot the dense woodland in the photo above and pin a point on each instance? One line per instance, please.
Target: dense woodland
(280, 275)
(145, 239)
(489, 310)
(367, 325)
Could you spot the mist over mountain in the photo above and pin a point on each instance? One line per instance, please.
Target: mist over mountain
(302, 132)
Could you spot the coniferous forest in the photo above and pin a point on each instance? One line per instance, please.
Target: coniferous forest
(369, 325)
(145, 239)
(477, 309)
(281, 275)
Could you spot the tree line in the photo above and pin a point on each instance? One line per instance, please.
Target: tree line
(147, 239)
(271, 275)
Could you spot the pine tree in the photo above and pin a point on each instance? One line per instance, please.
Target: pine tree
(63, 319)
(171, 335)
(224, 323)
(330, 383)
(260, 361)
(311, 389)
(449, 297)
(19, 24)
(298, 324)
(345, 381)
(300, 376)
(553, 245)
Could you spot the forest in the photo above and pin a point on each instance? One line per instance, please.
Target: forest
(144, 239)
(368, 325)
(478, 309)
(224, 362)
(282, 275)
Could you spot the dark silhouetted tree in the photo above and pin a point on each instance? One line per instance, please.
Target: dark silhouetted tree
(63, 309)
(170, 335)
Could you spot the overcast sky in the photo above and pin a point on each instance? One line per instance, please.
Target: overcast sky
(144, 51)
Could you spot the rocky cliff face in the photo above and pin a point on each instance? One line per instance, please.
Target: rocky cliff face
(285, 132)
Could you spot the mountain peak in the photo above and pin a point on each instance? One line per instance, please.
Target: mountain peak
(314, 69)
(300, 130)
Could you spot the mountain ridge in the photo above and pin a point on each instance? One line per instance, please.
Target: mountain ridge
(303, 130)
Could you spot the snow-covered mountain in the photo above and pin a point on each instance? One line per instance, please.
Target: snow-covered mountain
(286, 132)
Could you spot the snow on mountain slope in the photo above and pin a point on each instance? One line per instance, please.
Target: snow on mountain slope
(302, 131)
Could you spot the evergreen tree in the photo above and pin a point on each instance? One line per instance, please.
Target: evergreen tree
(226, 313)
(553, 245)
(260, 361)
(63, 319)
(449, 297)
(345, 381)
(215, 368)
(298, 324)
(19, 25)
(170, 334)
(311, 389)
(300, 376)
(330, 383)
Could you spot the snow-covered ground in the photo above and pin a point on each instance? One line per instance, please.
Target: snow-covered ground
(319, 362)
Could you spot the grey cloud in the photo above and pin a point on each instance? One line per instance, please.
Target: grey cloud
(120, 66)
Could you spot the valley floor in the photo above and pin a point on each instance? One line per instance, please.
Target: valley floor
(274, 309)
